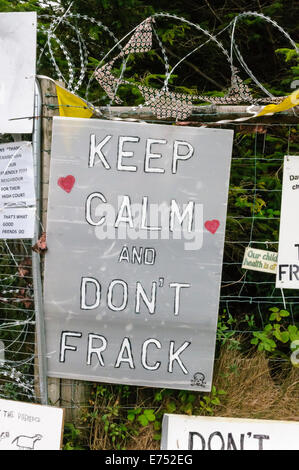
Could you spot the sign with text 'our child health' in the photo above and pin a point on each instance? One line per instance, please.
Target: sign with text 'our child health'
(260, 260)
(136, 223)
(288, 251)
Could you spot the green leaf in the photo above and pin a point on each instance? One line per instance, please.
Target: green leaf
(215, 401)
(143, 420)
(293, 332)
(188, 409)
(157, 426)
(150, 415)
(285, 337)
(171, 407)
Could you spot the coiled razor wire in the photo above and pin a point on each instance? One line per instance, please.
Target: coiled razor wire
(83, 50)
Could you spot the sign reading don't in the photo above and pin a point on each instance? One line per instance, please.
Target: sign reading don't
(136, 223)
(181, 432)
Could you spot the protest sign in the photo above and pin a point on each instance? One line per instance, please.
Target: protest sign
(136, 224)
(17, 71)
(181, 432)
(288, 250)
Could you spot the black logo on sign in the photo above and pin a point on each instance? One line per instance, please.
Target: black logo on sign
(198, 379)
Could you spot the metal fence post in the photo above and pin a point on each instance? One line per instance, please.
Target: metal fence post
(36, 272)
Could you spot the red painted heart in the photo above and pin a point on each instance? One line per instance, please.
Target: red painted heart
(66, 183)
(212, 225)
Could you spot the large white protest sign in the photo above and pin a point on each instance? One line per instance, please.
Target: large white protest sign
(17, 192)
(136, 223)
(181, 432)
(26, 426)
(288, 251)
(17, 71)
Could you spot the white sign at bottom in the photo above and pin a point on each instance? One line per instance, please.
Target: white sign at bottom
(180, 432)
(26, 426)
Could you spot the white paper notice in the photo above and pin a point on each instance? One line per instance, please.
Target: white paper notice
(17, 193)
(17, 71)
(26, 426)
(288, 252)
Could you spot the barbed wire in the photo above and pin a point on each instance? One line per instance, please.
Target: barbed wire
(118, 45)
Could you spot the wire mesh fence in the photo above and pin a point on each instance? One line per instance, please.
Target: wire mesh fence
(246, 296)
(17, 307)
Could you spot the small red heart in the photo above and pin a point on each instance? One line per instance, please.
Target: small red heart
(66, 183)
(212, 225)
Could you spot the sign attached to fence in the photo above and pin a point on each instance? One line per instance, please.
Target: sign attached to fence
(17, 192)
(288, 251)
(17, 76)
(136, 222)
(260, 260)
(26, 426)
(181, 432)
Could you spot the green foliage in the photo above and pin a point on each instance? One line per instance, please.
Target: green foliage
(72, 438)
(225, 331)
(276, 337)
(144, 417)
(178, 402)
(106, 419)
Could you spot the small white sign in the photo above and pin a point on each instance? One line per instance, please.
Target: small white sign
(17, 223)
(288, 252)
(17, 192)
(260, 260)
(17, 76)
(180, 432)
(26, 426)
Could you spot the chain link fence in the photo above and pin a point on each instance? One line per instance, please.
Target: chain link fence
(101, 411)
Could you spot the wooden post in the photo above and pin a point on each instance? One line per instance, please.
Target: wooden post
(48, 91)
(70, 394)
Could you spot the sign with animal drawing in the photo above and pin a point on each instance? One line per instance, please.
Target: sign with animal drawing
(26, 426)
(181, 432)
(17, 76)
(135, 235)
(288, 250)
